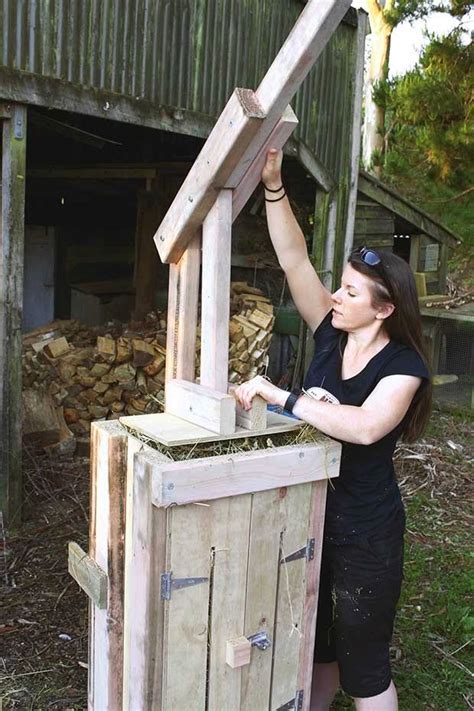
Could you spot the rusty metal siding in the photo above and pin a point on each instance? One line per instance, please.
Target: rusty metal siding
(182, 53)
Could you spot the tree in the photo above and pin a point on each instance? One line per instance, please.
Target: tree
(384, 15)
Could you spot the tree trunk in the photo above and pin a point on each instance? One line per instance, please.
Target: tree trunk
(374, 119)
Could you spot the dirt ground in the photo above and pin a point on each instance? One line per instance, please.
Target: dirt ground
(43, 623)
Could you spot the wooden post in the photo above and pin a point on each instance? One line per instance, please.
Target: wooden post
(11, 306)
(147, 262)
(183, 296)
(215, 299)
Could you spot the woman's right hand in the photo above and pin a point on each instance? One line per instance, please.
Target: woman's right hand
(271, 173)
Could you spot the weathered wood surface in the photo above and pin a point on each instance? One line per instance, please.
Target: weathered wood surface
(291, 591)
(145, 562)
(232, 133)
(248, 173)
(215, 299)
(201, 405)
(11, 305)
(107, 549)
(183, 294)
(231, 475)
(310, 609)
(150, 211)
(186, 614)
(230, 534)
(173, 431)
(88, 575)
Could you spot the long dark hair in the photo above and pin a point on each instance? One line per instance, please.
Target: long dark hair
(393, 282)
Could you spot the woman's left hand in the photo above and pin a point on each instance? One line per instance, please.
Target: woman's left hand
(259, 386)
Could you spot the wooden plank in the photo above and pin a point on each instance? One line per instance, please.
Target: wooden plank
(216, 477)
(87, 574)
(304, 44)
(230, 521)
(113, 173)
(232, 133)
(203, 406)
(313, 568)
(185, 638)
(173, 431)
(146, 563)
(290, 597)
(267, 522)
(107, 539)
(183, 294)
(215, 295)
(248, 173)
(315, 167)
(11, 307)
(253, 419)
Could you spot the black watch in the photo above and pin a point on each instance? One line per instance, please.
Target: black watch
(292, 398)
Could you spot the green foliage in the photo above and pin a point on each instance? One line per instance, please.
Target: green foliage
(430, 154)
(416, 9)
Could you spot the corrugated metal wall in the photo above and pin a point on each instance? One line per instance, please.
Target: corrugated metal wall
(182, 53)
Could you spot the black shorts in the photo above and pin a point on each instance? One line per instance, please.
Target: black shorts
(359, 590)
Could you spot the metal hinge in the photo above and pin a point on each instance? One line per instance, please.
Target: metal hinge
(295, 704)
(168, 583)
(306, 552)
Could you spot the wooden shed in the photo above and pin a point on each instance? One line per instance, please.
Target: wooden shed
(386, 219)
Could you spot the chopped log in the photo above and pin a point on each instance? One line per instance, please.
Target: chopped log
(124, 373)
(241, 287)
(98, 370)
(106, 350)
(98, 412)
(143, 353)
(112, 394)
(57, 348)
(156, 365)
(261, 319)
(40, 423)
(124, 350)
(100, 387)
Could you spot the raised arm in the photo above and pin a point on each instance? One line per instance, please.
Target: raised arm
(311, 297)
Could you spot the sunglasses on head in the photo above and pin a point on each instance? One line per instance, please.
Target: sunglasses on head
(369, 256)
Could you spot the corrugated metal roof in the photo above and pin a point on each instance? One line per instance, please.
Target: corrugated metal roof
(183, 53)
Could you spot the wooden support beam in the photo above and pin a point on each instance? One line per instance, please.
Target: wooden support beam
(246, 184)
(183, 297)
(204, 407)
(207, 479)
(148, 267)
(235, 128)
(88, 575)
(11, 307)
(215, 297)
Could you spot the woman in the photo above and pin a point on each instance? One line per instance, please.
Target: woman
(373, 386)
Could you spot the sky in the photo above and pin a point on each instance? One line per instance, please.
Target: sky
(408, 40)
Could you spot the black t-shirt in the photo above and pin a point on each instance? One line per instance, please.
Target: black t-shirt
(365, 496)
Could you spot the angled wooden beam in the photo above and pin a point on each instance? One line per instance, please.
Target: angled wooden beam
(249, 181)
(312, 31)
(235, 128)
(183, 296)
(225, 152)
(215, 297)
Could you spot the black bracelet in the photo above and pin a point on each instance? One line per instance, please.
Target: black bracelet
(273, 191)
(291, 399)
(276, 199)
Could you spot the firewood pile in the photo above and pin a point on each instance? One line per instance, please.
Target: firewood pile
(74, 374)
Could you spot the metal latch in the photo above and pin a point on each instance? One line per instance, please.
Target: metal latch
(168, 583)
(260, 640)
(295, 704)
(306, 552)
